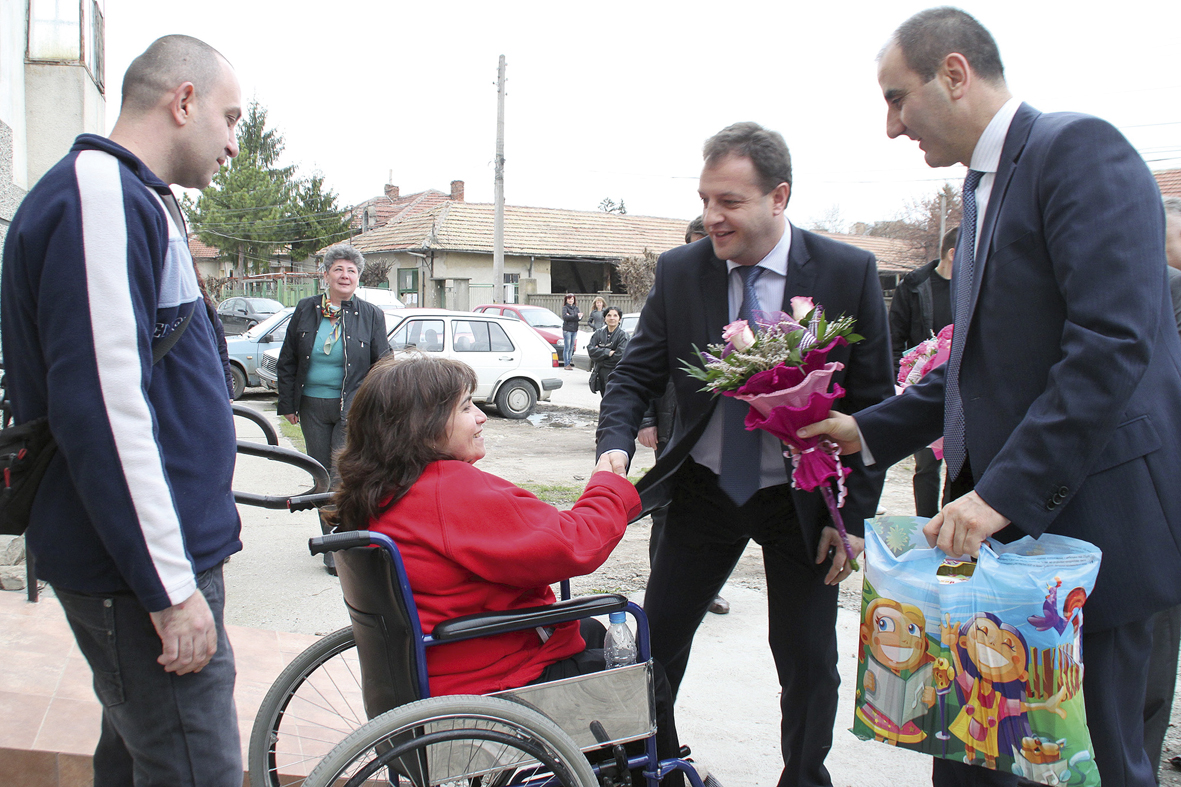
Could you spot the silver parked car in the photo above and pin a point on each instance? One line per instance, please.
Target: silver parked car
(239, 314)
(246, 350)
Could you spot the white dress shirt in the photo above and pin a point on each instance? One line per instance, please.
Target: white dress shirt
(770, 286)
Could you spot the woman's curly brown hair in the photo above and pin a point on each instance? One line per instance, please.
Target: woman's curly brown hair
(397, 423)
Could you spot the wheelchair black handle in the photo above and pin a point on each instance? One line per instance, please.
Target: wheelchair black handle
(264, 423)
(305, 502)
(334, 542)
(278, 453)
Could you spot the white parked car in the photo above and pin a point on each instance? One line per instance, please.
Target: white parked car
(514, 365)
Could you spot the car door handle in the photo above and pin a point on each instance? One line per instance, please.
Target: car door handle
(507, 358)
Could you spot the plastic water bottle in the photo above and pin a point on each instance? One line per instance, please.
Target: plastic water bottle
(619, 646)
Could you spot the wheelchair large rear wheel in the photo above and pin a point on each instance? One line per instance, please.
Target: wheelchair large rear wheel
(313, 705)
(455, 740)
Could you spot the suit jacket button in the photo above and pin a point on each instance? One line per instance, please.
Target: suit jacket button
(1063, 491)
(1051, 504)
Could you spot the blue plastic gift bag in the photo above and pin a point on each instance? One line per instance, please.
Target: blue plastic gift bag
(979, 661)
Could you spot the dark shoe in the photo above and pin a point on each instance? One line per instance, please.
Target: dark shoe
(330, 563)
(719, 606)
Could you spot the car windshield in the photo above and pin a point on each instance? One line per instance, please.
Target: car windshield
(541, 318)
(267, 325)
(629, 323)
(265, 305)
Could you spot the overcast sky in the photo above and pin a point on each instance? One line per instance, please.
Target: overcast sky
(615, 99)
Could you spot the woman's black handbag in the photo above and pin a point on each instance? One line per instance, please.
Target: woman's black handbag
(25, 453)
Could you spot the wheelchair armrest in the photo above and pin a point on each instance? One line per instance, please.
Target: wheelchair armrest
(489, 623)
(333, 542)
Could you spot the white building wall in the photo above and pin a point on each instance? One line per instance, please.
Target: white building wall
(478, 268)
(12, 93)
(64, 102)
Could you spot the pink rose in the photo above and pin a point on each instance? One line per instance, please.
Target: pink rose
(739, 334)
(800, 306)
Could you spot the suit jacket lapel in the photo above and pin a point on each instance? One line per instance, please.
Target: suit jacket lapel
(801, 272)
(715, 291)
(1010, 154)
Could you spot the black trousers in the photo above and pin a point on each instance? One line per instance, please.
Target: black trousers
(1114, 681)
(1162, 678)
(926, 482)
(700, 544)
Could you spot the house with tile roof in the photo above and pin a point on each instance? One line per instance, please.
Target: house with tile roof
(1169, 181)
(392, 206)
(442, 255)
(206, 258)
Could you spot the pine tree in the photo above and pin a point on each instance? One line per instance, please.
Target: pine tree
(256, 207)
(316, 219)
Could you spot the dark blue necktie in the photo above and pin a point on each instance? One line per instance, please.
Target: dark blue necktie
(741, 450)
(955, 440)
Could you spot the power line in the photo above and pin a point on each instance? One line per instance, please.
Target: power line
(289, 241)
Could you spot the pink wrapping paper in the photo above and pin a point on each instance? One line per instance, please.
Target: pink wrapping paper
(785, 398)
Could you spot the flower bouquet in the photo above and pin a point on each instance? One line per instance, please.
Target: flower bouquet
(920, 360)
(779, 367)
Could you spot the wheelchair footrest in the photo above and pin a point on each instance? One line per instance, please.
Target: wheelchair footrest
(618, 702)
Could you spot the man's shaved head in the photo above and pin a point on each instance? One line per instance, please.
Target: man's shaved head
(168, 63)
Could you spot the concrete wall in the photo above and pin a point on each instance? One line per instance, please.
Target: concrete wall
(12, 93)
(478, 268)
(10, 193)
(62, 101)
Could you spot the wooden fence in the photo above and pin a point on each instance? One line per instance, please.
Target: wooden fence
(554, 300)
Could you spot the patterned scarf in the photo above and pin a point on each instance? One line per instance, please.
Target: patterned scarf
(330, 311)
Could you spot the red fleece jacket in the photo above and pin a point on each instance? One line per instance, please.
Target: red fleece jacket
(472, 542)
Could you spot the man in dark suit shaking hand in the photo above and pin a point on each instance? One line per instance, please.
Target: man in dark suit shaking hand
(727, 485)
(1060, 404)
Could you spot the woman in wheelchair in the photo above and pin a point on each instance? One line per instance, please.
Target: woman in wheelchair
(472, 542)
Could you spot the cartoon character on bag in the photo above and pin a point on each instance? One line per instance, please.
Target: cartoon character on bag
(991, 665)
(897, 685)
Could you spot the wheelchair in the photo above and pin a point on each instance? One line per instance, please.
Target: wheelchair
(355, 707)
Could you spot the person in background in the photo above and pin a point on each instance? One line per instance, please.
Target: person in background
(570, 318)
(332, 341)
(606, 348)
(106, 332)
(921, 309)
(598, 308)
(1166, 624)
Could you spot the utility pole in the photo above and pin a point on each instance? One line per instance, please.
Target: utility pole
(498, 221)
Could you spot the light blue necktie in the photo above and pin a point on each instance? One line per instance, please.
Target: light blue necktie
(741, 450)
(955, 439)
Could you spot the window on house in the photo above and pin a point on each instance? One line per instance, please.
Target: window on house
(98, 47)
(55, 30)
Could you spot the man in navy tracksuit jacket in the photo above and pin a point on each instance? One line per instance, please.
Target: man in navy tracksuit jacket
(135, 515)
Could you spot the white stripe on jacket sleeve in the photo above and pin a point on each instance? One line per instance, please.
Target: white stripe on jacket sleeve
(116, 347)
